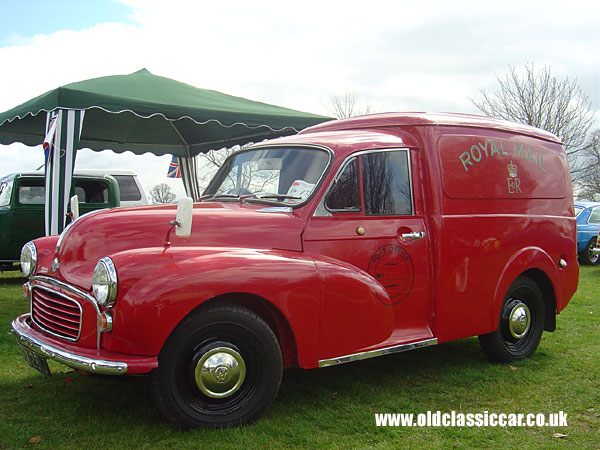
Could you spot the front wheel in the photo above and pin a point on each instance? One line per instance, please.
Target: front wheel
(521, 324)
(220, 367)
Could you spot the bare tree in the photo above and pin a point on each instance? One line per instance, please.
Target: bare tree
(535, 97)
(345, 105)
(162, 193)
(589, 181)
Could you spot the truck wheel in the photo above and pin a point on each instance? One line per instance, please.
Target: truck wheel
(587, 257)
(220, 367)
(520, 326)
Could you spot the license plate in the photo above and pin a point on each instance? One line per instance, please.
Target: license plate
(35, 361)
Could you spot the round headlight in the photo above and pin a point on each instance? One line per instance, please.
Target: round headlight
(28, 259)
(104, 282)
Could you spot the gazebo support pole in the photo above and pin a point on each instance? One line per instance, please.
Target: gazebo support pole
(63, 129)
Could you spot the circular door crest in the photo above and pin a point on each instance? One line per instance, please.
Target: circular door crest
(392, 266)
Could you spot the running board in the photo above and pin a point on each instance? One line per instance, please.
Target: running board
(374, 353)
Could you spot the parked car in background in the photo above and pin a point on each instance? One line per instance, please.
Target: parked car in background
(22, 198)
(588, 226)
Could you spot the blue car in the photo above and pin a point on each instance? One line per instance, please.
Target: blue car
(588, 223)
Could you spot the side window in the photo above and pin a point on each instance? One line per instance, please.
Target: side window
(80, 193)
(31, 192)
(91, 191)
(595, 216)
(386, 183)
(344, 196)
(128, 188)
(5, 192)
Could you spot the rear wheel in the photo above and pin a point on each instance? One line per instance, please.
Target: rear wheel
(587, 256)
(521, 324)
(220, 367)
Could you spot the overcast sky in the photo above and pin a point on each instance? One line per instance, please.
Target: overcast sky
(396, 55)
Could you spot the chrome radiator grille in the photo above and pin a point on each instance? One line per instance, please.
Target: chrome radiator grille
(56, 313)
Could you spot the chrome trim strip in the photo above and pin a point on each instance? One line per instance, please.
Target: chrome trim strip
(69, 359)
(275, 209)
(378, 352)
(45, 288)
(76, 291)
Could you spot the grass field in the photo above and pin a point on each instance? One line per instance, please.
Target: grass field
(327, 408)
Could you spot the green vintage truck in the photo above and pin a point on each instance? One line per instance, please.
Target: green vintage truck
(22, 207)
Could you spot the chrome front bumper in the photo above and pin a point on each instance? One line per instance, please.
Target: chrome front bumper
(25, 338)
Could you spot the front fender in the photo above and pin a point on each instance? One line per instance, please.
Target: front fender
(157, 289)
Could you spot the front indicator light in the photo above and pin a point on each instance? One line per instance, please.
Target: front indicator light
(104, 282)
(27, 290)
(105, 322)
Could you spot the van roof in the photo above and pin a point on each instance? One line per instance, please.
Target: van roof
(437, 119)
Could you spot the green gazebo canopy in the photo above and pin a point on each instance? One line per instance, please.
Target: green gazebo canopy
(142, 112)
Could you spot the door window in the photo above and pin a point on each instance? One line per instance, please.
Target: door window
(386, 183)
(385, 180)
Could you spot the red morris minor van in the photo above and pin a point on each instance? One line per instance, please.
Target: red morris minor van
(352, 239)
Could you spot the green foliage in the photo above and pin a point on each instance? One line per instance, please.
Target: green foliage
(327, 408)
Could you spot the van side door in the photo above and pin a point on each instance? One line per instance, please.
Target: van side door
(372, 218)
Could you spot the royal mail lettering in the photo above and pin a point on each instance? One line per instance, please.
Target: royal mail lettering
(492, 148)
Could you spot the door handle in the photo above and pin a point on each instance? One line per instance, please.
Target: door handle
(413, 235)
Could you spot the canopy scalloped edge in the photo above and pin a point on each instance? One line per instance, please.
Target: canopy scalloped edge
(149, 116)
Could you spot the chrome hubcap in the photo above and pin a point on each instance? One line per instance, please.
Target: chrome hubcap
(519, 320)
(220, 372)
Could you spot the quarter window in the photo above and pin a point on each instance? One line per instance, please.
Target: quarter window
(344, 195)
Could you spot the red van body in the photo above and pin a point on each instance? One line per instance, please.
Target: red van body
(386, 233)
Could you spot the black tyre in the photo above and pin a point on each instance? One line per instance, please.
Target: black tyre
(587, 256)
(220, 367)
(521, 324)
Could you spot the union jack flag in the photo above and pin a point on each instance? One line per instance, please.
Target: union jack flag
(174, 171)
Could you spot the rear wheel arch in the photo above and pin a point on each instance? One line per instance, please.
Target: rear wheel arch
(536, 265)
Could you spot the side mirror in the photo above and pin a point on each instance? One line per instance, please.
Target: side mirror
(74, 207)
(185, 210)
